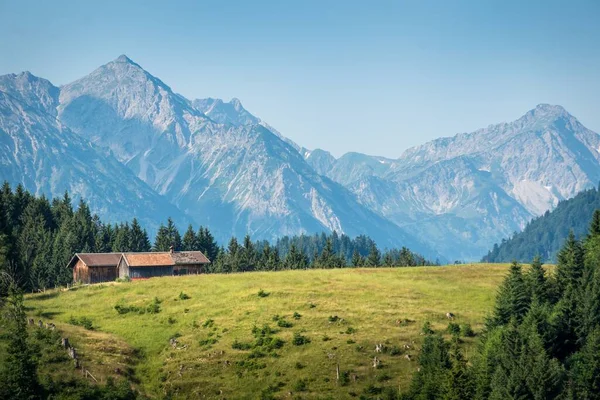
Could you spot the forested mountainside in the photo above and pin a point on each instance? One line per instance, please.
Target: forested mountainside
(545, 235)
(38, 237)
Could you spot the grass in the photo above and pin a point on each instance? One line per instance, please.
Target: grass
(220, 312)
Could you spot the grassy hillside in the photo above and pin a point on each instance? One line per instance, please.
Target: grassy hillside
(222, 310)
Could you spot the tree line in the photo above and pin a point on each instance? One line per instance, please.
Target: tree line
(39, 236)
(542, 340)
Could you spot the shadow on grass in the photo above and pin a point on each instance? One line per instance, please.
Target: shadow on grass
(45, 296)
(49, 314)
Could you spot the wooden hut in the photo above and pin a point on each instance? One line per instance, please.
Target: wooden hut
(148, 265)
(94, 267)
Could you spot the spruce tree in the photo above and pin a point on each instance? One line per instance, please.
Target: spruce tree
(190, 241)
(18, 379)
(374, 257)
(138, 237)
(569, 269)
(585, 369)
(357, 260)
(512, 300)
(537, 282)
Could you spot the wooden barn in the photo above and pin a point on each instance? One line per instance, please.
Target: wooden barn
(94, 267)
(148, 265)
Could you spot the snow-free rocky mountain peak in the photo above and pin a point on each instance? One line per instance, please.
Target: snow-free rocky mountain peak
(218, 168)
(212, 162)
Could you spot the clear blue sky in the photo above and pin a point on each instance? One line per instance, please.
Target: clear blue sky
(368, 76)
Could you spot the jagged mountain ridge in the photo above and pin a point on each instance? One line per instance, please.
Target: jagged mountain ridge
(468, 191)
(236, 176)
(229, 169)
(39, 152)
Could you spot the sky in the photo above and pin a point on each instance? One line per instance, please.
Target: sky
(375, 77)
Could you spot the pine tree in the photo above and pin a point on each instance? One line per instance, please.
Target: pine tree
(18, 378)
(537, 282)
(513, 298)
(459, 384)
(295, 259)
(123, 242)
(138, 237)
(248, 255)
(595, 225)
(585, 370)
(357, 260)
(190, 241)
(162, 241)
(388, 259)
(374, 257)
(569, 269)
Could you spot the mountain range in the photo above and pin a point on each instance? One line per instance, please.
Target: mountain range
(126, 142)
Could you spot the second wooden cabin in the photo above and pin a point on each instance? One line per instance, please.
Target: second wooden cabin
(148, 265)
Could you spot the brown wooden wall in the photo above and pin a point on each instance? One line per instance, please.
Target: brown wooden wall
(103, 274)
(84, 274)
(81, 273)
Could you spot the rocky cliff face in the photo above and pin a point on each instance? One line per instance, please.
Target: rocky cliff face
(45, 156)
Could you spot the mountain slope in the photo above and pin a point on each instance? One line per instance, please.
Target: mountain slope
(545, 235)
(466, 192)
(213, 161)
(37, 151)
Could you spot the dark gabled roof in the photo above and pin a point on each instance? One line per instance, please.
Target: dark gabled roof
(189, 257)
(165, 259)
(96, 259)
(148, 259)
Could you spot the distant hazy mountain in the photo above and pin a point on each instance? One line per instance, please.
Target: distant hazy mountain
(221, 166)
(545, 235)
(465, 192)
(39, 152)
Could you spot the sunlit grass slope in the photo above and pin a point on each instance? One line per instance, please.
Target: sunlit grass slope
(223, 309)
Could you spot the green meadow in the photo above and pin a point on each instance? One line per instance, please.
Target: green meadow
(317, 320)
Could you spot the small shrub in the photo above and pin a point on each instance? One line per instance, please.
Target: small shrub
(466, 330)
(183, 296)
(453, 329)
(240, 346)
(208, 341)
(262, 293)
(350, 341)
(371, 389)
(154, 306)
(300, 386)
(171, 320)
(344, 378)
(312, 305)
(297, 315)
(395, 351)
(350, 330)
(300, 339)
(426, 330)
(326, 338)
(333, 318)
(195, 324)
(383, 378)
(82, 321)
(282, 323)
(209, 323)
(299, 365)
(276, 317)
